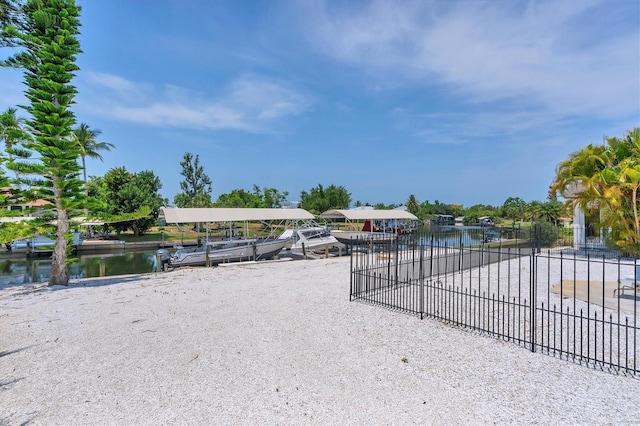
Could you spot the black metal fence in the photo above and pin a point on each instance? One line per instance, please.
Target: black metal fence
(575, 307)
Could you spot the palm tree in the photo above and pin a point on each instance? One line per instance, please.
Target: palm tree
(533, 210)
(89, 147)
(551, 211)
(412, 204)
(621, 182)
(607, 176)
(12, 132)
(9, 124)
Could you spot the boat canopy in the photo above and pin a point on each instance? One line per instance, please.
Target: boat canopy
(208, 215)
(367, 214)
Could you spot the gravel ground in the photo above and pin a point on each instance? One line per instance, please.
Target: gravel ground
(272, 343)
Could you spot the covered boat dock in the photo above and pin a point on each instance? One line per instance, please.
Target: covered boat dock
(380, 225)
(389, 219)
(208, 216)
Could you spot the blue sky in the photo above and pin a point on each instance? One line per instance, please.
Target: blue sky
(463, 102)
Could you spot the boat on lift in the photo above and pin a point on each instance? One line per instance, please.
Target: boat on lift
(310, 235)
(232, 249)
(225, 252)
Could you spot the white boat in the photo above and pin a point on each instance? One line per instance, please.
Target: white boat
(241, 250)
(309, 236)
(40, 244)
(37, 243)
(389, 221)
(348, 237)
(225, 252)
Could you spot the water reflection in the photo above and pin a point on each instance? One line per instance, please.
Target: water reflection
(450, 235)
(16, 270)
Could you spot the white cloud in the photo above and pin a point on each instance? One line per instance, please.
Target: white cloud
(494, 127)
(249, 103)
(266, 100)
(118, 85)
(547, 54)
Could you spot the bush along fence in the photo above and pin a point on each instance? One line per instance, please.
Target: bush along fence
(581, 308)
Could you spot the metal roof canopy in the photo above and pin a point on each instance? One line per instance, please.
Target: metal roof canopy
(205, 215)
(367, 214)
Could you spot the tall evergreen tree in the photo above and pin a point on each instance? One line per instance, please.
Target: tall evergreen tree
(49, 42)
(196, 186)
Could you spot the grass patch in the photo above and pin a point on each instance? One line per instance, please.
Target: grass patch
(167, 233)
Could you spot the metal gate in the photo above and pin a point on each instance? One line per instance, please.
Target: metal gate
(569, 306)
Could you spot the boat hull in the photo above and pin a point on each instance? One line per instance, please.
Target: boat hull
(362, 237)
(227, 251)
(316, 243)
(246, 250)
(311, 238)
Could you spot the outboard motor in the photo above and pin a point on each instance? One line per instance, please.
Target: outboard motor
(165, 257)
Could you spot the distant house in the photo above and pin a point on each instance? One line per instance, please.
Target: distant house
(20, 206)
(28, 205)
(442, 219)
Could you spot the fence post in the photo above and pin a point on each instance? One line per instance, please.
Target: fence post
(421, 275)
(532, 300)
(351, 274)
(431, 258)
(397, 258)
(461, 255)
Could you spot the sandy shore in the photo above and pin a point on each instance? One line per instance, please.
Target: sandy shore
(272, 343)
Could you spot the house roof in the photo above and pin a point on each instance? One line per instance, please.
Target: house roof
(38, 203)
(206, 215)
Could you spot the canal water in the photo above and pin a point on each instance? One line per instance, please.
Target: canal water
(18, 269)
(450, 235)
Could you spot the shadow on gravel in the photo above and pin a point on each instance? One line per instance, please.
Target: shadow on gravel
(4, 385)
(15, 351)
(85, 282)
